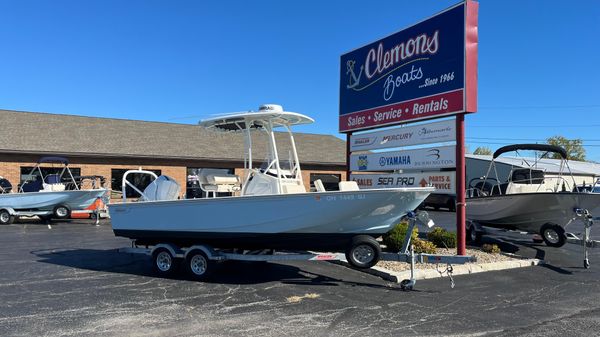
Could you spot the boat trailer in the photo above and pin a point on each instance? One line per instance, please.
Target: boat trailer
(200, 258)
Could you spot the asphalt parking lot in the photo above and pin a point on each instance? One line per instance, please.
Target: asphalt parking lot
(71, 281)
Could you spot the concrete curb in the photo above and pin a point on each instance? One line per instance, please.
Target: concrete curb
(423, 274)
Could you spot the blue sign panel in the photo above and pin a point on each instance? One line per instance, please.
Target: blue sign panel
(413, 74)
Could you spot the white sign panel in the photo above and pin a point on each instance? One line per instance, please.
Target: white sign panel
(444, 182)
(427, 158)
(437, 132)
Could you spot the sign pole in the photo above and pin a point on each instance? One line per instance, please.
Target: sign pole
(348, 136)
(460, 185)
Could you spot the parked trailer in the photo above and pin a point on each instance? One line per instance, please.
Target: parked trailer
(199, 259)
(553, 236)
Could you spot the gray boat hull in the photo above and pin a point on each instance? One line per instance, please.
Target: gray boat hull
(528, 211)
(46, 201)
(320, 220)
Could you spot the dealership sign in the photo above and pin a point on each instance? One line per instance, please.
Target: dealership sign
(427, 158)
(437, 132)
(444, 182)
(424, 71)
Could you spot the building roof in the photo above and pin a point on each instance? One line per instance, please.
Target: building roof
(549, 165)
(33, 132)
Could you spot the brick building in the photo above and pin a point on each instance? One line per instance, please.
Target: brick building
(108, 147)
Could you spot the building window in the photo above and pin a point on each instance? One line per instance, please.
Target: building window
(193, 181)
(29, 174)
(330, 181)
(139, 180)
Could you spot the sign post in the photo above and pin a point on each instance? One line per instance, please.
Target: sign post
(426, 71)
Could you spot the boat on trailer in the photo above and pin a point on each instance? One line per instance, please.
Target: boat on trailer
(47, 196)
(528, 201)
(273, 209)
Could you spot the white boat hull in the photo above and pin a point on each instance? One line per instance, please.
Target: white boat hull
(296, 221)
(528, 211)
(46, 201)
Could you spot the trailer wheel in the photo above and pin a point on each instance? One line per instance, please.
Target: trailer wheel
(199, 265)
(473, 235)
(164, 263)
(6, 218)
(61, 212)
(553, 235)
(364, 252)
(451, 204)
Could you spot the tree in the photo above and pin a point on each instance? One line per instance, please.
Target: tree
(574, 148)
(483, 150)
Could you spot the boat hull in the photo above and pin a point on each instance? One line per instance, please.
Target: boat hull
(321, 220)
(527, 211)
(46, 201)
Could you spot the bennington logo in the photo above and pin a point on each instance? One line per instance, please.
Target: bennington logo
(434, 153)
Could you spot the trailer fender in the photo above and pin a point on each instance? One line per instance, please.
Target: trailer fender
(209, 251)
(174, 250)
(10, 210)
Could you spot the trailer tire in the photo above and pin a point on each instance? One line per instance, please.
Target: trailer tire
(364, 252)
(61, 212)
(553, 235)
(6, 218)
(163, 262)
(198, 264)
(473, 235)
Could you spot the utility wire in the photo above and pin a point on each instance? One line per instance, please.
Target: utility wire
(516, 107)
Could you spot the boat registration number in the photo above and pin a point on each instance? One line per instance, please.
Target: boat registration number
(345, 197)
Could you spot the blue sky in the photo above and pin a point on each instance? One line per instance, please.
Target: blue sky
(178, 61)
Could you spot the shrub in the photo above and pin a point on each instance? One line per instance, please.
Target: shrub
(395, 237)
(422, 246)
(442, 238)
(491, 248)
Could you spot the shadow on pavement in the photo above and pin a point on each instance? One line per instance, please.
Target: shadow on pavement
(229, 272)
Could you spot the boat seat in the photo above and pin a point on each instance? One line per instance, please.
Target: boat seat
(52, 179)
(212, 184)
(32, 186)
(319, 185)
(348, 186)
(293, 188)
(161, 189)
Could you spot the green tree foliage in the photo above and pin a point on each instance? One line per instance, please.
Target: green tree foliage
(482, 150)
(574, 148)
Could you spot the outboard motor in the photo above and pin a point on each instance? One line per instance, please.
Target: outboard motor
(162, 188)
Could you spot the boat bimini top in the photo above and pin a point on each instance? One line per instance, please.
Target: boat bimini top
(524, 179)
(268, 115)
(272, 177)
(532, 147)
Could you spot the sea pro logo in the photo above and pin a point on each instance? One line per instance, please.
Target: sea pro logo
(363, 162)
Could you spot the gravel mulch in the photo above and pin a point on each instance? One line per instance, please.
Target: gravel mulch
(482, 257)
